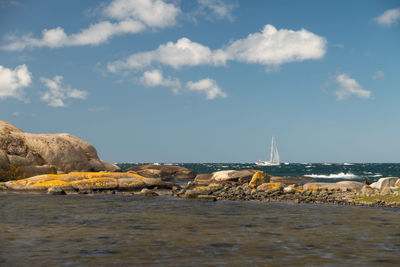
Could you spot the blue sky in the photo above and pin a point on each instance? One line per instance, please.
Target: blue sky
(206, 80)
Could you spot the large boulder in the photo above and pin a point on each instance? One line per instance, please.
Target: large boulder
(163, 171)
(383, 182)
(241, 176)
(25, 154)
(203, 179)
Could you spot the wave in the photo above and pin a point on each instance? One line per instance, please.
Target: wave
(347, 164)
(333, 175)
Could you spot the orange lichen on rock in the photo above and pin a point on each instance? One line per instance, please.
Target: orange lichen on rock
(259, 178)
(270, 187)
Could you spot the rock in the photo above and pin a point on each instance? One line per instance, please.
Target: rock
(289, 189)
(63, 151)
(397, 184)
(55, 191)
(366, 190)
(191, 194)
(88, 181)
(270, 187)
(28, 171)
(148, 193)
(165, 171)
(4, 162)
(203, 179)
(381, 183)
(339, 186)
(259, 178)
(291, 180)
(206, 198)
(386, 191)
(242, 176)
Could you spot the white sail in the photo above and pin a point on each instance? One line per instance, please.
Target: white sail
(273, 157)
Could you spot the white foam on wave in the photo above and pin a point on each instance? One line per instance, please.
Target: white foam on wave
(327, 164)
(347, 164)
(377, 175)
(332, 175)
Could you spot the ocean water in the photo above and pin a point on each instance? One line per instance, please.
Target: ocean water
(117, 230)
(321, 172)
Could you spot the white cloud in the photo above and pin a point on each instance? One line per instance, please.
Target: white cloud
(153, 13)
(207, 86)
(182, 53)
(58, 93)
(378, 75)
(155, 78)
(274, 47)
(389, 17)
(218, 8)
(348, 87)
(13, 82)
(271, 47)
(132, 16)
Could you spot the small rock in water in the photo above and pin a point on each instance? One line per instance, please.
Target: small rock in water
(148, 193)
(55, 191)
(206, 198)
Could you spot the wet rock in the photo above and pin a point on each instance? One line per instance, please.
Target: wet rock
(148, 193)
(259, 178)
(191, 194)
(55, 191)
(207, 198)
(381, 183)
(164, 171)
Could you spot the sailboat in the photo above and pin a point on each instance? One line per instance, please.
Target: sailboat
(274, 156)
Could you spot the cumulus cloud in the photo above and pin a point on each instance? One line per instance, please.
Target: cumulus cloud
(218, 8)
(155, 78)
(207, 86)
(58, 92)
(389, 17)
(378, 75)
(348, 87)
(270, 47)
(130, 17)
(182, 53)
(14, 81)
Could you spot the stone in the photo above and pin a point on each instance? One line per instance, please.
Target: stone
(259, 178)
(270, 187)
(63, 151)
(165, 171)
(386, 191)
(291, 180)
(242, 176)
(203, 179)
(148, 193)
(190, 194)
(289, 189)
(55, 191)
(366, 190)
(397, 184)
(339, 186)
(206, 198)
(4, 161)
(387, 181)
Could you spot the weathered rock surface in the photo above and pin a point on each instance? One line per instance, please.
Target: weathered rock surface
(241, 176)
(203, 179)
(87, 182)
(383, 182)
(291, 180)
(259, 178)
(25, 154)
(164, 171)
(339, 186)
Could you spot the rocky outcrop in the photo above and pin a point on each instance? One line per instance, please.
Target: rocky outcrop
(240, 176)
(291, 180)
(163, 171)
(383, 182)
(87, 182)
(339, 186)
(25, 154)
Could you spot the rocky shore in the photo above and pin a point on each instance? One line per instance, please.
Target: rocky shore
(61, 164)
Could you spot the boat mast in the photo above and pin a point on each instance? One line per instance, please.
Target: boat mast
(272, 150)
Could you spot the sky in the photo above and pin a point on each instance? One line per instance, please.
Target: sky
(207, 80)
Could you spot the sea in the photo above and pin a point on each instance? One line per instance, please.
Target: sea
(320, 172)
(123, 230)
